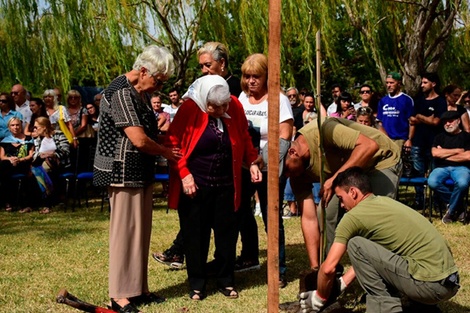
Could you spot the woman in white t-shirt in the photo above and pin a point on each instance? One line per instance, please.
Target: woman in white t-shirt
(255, 102)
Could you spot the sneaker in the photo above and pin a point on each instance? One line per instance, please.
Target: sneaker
(258, 210)
(169, 258)
(447, 219)
(287, 215)
(244, 266)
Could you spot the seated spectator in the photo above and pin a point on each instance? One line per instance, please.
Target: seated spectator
(7, 107)
(59, 116)
(345, 108)
(451, 153)
(93, 117)
(16, 154)
(38, 108)
(452, 93)
(51, 155)
(365, 116)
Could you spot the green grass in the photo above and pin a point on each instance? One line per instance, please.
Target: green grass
(40, 254)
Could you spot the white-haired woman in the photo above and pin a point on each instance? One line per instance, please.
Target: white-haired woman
(59, 117)
(125, 164)
(213, 60)
(211, 130)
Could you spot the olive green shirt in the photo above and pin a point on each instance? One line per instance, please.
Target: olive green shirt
(402, 231)
(339, 140)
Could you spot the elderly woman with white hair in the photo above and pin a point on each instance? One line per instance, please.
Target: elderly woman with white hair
(59, 116)
(125, 164)
(211, 131)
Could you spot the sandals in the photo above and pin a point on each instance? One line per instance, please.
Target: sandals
(229, 292)
(196, 295)
(147, 298)
(128, 308)
(26, 210)
(45, 211)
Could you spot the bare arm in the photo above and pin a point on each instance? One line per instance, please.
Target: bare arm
(430, 120)
(327, 271)
(72, 131)
(442, 153)
(285, 129)
(83, 124)
(465, 122)
(460, 157)
(142, 142)
(310, 230)
(363, 151)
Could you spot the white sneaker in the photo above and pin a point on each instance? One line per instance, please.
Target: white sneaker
(258, 210)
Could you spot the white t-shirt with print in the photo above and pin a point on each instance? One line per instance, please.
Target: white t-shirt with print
(257, 114)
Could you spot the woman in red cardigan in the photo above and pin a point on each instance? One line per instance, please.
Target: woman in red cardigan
(211, 131)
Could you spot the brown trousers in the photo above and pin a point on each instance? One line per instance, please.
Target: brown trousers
(129, 240)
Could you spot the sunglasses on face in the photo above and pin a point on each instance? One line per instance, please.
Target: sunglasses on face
(364, 91)
(3, 101)
(74, 97)
(14, 93)
(291, 96)
(365, 110)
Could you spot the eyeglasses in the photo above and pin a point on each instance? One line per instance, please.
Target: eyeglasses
(364, 91)
(367, 110)
(158, 82)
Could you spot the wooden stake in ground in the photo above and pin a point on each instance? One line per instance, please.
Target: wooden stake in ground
(274, 68)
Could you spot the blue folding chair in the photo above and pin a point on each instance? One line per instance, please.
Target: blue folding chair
(418, 181)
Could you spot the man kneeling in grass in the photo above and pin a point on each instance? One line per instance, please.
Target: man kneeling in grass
(393, 250)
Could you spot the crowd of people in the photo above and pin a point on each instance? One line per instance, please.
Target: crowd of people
(212, 141)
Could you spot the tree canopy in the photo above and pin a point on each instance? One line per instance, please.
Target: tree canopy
(66, 42)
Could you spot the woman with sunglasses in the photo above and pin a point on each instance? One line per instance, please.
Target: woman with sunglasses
(51, 155)
(7, 111)
(365, 116)
(77, 113)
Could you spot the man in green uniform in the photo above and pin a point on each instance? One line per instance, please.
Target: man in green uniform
(393, 250)
(345, 144)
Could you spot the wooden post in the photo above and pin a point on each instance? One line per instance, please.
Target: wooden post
(322, 217)
(274, 68)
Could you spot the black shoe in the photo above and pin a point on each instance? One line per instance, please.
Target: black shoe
(128, 308)
(147, 298)
(282, 281)
(169, 258)
(242, 265)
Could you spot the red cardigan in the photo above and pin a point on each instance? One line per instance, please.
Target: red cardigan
(187, 127)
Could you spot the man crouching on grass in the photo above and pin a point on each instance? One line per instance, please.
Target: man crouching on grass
(393, 250)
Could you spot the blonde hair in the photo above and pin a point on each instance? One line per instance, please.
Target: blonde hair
(46, 123)
(15, 118)
(71, 93)
(256, 64)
